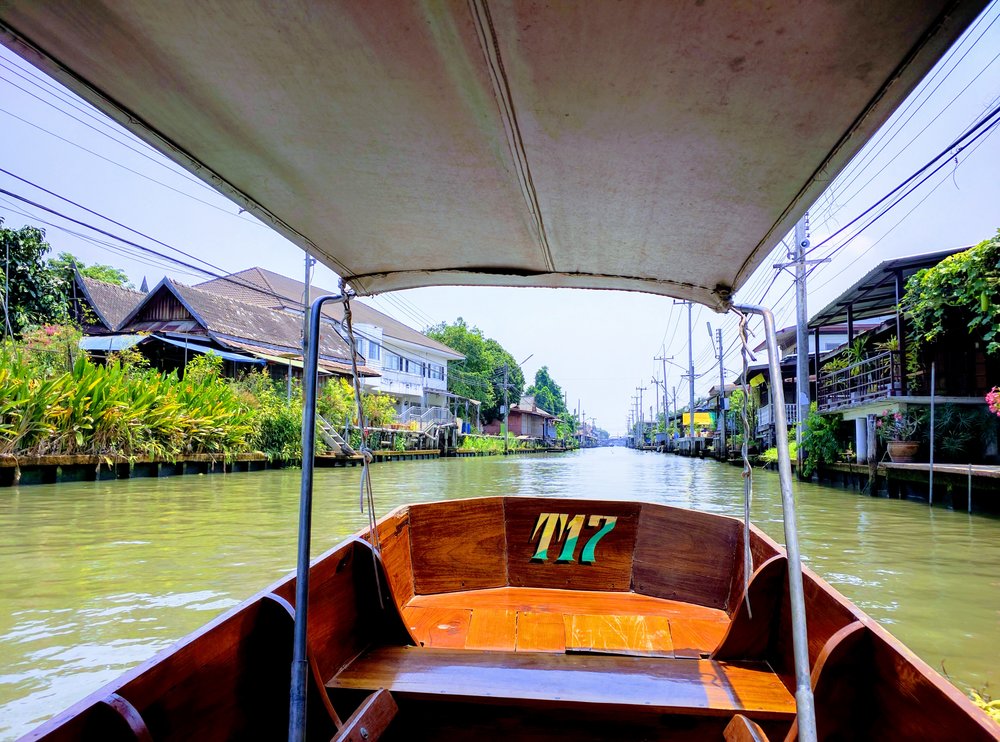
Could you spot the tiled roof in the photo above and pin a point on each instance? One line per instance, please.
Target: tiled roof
(270, 289)
(112, 303)
(528, 405)
(238, 320)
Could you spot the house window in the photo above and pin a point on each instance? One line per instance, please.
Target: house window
(374, 350)
(393, 362)
(435, 371)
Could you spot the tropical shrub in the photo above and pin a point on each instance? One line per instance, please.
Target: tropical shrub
(964, 286)
(770, 456)
(379, 409)
(821, 440)
(119, 409)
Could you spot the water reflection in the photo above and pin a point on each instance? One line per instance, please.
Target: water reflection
(96, 577)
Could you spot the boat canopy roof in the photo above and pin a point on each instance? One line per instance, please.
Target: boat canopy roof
(638, 145)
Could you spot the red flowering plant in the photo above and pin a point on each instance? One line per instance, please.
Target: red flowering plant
(993, 400)
(896, 426)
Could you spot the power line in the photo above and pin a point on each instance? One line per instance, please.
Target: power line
(952, 149)
(131, 170)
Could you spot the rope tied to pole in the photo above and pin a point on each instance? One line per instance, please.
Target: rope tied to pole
(366, 453)
(744, 332)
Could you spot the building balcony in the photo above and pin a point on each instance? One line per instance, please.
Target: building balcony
(872, 379)
(765, 415)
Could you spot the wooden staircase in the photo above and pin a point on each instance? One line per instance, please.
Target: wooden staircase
(333, 440)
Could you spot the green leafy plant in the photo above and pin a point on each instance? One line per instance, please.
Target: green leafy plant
(821, 440)
(963, 287)
(897, 425)
(770, 456)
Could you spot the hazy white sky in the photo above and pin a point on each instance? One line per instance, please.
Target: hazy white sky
(600, 346)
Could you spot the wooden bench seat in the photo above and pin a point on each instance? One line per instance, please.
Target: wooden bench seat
(552, 620)
(649, 684)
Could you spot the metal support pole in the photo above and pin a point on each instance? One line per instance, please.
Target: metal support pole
(690, 373)
(816, 363)
(969, 504)
(805, 711)
(300, 664)
(930, 475)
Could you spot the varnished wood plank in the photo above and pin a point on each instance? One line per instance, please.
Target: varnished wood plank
(762, 548)
(654, 684)
(685, 555)
(394, 537)
(494, 629)
(741, 729)
(634, 635)
(562, 543)
(438, 627)
(549, 600)
(751, 632)
(371, 719)
(694, 638)
(458, 545)
(540, 632)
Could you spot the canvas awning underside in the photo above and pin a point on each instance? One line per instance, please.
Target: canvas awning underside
(643, 145)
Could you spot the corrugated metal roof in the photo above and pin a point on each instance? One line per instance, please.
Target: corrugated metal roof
(110, 343)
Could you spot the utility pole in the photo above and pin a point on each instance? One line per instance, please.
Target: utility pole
(722, 393)
(801, 336)
(642, 415)
(722, 399)
(797, 258)
(690, 370)
(666, 406)
(506, 408)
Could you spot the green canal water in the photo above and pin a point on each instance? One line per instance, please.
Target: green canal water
(96, 577)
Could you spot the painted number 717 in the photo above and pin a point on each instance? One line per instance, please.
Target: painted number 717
(560, 527)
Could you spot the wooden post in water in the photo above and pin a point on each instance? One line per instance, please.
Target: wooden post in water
(930, 477)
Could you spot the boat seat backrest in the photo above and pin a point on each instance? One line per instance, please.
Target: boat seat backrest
(755, 622)
(655, 550)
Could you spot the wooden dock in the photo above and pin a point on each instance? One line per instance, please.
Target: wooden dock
(961, 486)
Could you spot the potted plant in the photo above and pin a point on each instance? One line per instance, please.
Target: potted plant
(898, 429)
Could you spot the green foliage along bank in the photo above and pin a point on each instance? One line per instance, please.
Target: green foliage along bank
(54, 400)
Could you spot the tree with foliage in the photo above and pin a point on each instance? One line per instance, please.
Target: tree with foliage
(964, 287)
(64, 263)
(481, 375)
(33, 294)
(547, 393)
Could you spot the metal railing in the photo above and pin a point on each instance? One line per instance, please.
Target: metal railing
(873, 378)
(765, 415)
(425, 417)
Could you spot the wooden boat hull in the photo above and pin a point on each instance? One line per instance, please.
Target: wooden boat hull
(535, 618)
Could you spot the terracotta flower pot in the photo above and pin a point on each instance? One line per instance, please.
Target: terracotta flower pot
(903, 452)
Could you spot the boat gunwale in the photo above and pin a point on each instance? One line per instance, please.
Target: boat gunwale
(280, 585)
